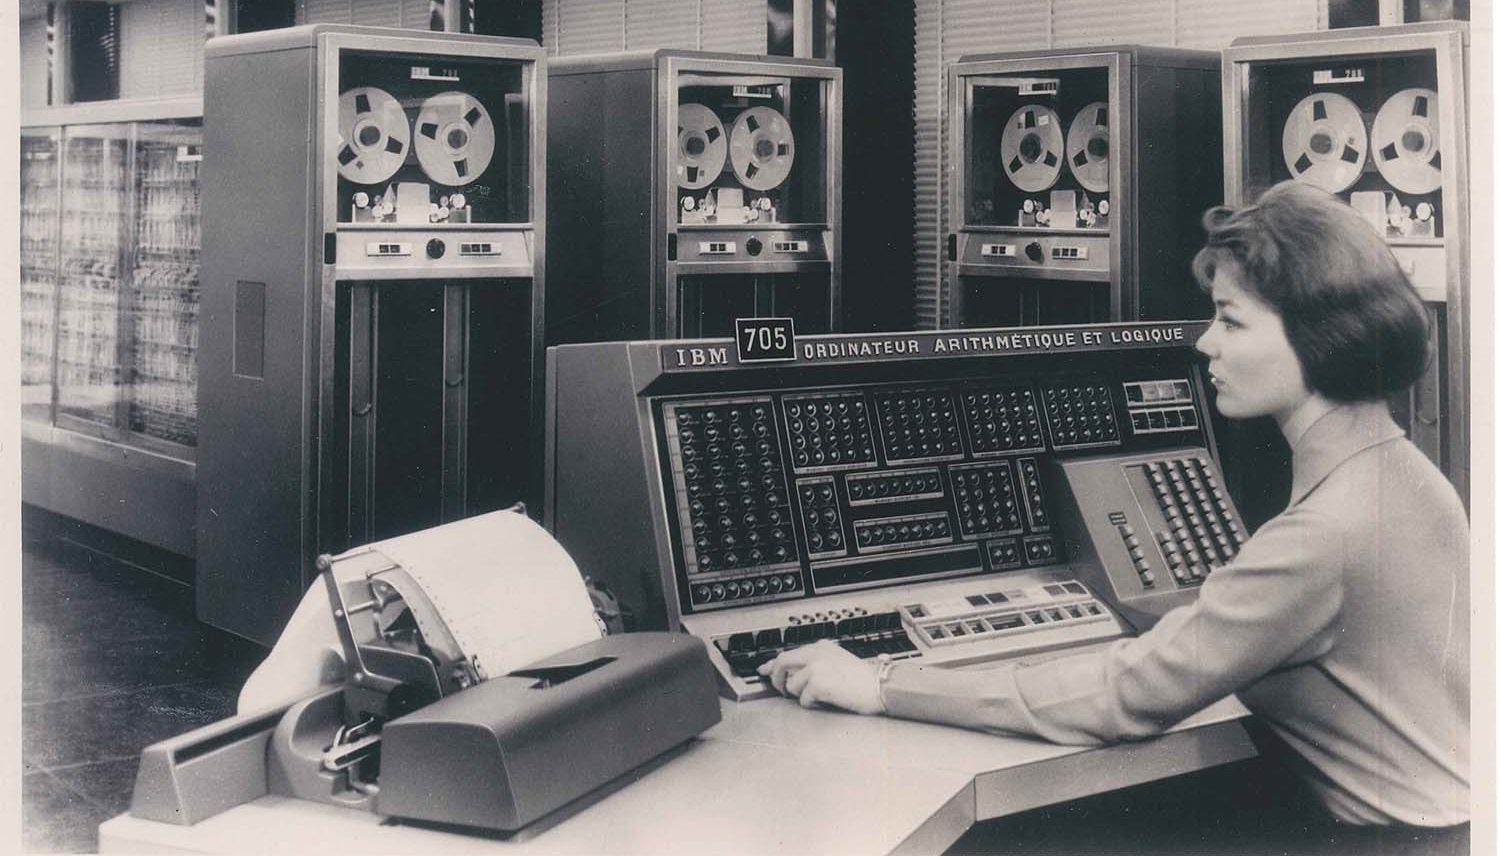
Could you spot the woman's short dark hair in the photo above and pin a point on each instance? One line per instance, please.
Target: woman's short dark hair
(1355, 322)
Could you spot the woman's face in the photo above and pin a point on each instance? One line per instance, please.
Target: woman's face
(1250, 361)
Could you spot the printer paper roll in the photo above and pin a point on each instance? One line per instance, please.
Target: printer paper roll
(507, 591)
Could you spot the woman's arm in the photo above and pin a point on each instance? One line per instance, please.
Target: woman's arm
(1274, 606)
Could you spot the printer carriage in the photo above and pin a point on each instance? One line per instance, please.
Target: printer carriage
(419, 730)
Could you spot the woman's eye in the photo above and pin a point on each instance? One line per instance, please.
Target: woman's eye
(1229, 323)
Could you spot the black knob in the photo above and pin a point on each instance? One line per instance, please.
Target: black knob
(436, 248)
(1034, 251)
(753, 246)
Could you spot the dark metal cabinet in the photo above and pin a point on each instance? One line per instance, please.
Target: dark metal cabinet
(372, 302)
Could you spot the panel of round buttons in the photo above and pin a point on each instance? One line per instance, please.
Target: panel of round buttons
(1031, 494)
(986, 498)
(918, 425)
(900, 486)
(1002, 419)
(1004, 553)
(901, 533)
(733, 507)
(1080, 415)
(828, 432)
(821, 523)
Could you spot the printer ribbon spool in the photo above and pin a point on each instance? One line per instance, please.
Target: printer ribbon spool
(374, 138)
(761, 148)
(1031, 148)
(701, 146)
(1404, 141)
(1324, 141)
(455, 138)
(1088, 147)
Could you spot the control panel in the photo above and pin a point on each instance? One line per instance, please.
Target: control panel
(954, 497)
(780, 495)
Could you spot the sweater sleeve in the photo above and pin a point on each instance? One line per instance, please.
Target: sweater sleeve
(1274, 606)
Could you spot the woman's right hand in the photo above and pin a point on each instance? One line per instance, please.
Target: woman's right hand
(824, 673)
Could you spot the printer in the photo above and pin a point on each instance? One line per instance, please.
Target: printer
(454, 676)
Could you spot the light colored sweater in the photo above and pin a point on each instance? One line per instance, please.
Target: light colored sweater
(1343, 623)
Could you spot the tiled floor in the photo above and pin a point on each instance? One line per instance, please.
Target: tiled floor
(113, 660)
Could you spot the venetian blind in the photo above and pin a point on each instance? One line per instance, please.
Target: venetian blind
(161, 48)
(593, 26)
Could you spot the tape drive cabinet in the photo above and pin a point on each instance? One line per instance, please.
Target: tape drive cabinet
(1378, 116)
(1076, 182)
(372, 297)
(689, 189)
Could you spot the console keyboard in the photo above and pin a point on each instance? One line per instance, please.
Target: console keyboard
(1202, 532)
(865, 636)
(959, 622)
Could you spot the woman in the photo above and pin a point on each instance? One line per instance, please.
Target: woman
(1343, 623)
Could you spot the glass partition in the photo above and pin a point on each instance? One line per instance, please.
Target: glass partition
(109, 280)
(163, 309)
(95, 216)
(40, 225)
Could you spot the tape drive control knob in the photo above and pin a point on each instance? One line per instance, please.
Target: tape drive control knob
(436, 248)
(1034, 251)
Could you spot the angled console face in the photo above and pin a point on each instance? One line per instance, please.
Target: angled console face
(1377, 116)
(690, 189)
(372, 302)
(1077, 177)
(952, 497)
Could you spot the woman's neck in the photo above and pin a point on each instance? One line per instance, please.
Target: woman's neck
(1295, 422)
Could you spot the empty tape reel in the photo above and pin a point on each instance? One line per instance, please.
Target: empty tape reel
(1324, 141)
(761, 148)
(1031, 148)
(701, 146)
(1404, 142)
(1088, 147)
(373, 135)
(455, 138)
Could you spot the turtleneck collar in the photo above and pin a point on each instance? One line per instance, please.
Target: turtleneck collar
(1335, 437)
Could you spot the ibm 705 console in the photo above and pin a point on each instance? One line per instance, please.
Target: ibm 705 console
(953, 497)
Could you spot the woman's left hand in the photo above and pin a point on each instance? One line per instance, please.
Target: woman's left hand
(824, 673)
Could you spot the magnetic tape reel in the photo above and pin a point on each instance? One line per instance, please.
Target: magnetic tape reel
(1031, 148)
(1404, 141)
(1088, 147)
(373, 135)
(701, 146)
(1324, 142)
(455, 138)
(761, 148)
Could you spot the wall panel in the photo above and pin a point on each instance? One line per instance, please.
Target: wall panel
(34, 61)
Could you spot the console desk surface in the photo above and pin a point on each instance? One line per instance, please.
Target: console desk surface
(772, 777)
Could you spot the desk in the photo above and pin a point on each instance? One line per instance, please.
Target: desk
(772, 777)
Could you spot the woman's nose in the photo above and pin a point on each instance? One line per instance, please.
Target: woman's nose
(1205, 343)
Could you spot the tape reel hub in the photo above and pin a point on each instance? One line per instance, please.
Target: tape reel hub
(373, 135)
(762, 148)
(1404, 142)
(701, 146)
(455, 138)
(1324, 143)
(1031, 148)
(1088, 147)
